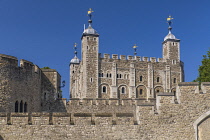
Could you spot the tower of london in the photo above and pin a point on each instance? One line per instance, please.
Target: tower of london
(112, 76)
(111, 97)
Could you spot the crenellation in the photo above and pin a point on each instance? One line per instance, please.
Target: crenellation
(160, 60)
(122, 57)
(114, 56)
(129, 57)
(153, 59)
(107, 56)
(145, 59)
(26, 64)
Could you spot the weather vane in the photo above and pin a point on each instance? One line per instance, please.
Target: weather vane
(75, 49)
(169, 20)
(90, 13)
(135, 48)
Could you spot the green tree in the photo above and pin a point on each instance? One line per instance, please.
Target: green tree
(45, 68)
(204, 69)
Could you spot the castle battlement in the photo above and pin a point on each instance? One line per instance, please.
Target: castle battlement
(55, 118)
(129, 57)
(8, 60)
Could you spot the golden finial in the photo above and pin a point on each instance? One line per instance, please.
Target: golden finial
(169, 18)
(90, 11)
(135, 46)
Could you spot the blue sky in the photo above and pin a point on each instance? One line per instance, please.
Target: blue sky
(44, 31)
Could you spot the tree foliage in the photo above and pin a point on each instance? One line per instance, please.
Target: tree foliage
(204, 69)
(45, 68)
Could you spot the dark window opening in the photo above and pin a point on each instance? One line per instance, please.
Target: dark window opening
(45, 96)
(21, 106)
(141, 91)
(16, 106)
(140, 78)
(158, 91)
(110, 75)
(117, 76)
(104, 89)
(123, 90)
(25, 107)
(107, 75)
(174, 80)
(158, 79)
(102, 75)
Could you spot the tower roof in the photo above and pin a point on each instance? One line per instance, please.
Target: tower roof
(90, 30)
(170, 35)
(75, 60)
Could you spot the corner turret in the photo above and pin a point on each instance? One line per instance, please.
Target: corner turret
(171, 45)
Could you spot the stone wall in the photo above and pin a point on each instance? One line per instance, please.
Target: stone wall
(26, 88)
(184, 116)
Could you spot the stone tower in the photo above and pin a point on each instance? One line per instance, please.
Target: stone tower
(74, 64)
(90, 41)
(171, 48)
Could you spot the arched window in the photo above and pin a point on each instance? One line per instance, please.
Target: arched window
(110, 75)
(16, 106)
(104, 89)
(107, 75)
(25, 107)
(102, 75)
(99, 74)
(117, 76)
(140, 78)
(45, 96)
(141, 91)
(158, 79)
(21, 106)
(174, 80)
(120, 76)
(123, 90)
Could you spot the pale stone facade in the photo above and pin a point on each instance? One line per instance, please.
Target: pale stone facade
(97, 76)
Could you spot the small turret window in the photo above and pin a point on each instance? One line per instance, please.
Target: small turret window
(91, 80)
(94, 39)
(87, 38)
